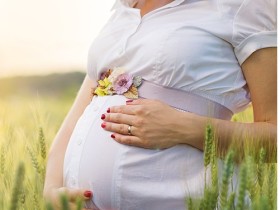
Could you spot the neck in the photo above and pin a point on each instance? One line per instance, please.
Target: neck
(148, 5)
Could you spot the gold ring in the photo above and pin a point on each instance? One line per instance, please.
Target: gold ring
(129, 130)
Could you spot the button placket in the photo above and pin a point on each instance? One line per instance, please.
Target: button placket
(81, 136)
(89, 119)
(130, 33)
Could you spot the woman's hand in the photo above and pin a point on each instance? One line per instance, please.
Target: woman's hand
(146, 123)
(53, 196)
(54, 170)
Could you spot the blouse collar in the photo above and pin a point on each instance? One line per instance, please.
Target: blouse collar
(130, 3)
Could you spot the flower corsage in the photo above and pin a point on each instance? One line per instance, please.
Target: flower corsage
(116, 82)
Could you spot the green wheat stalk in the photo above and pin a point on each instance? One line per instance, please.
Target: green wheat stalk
(79, 204)
(272, 185)
(189, 203)
(49, 206)
(252, 179)
(35, 200)
(207, 150)
(64, 202)
(202, 205)
(242, 188)
(264, 203)
(18, 184)
(22, 196)
(34, 161)
(206, 199)
(230, 202)
(261, 204)
(211, 199)
(43, 171)
(2, 160)
(42, 141)
(227, 174)
(261, 167)
(214, 168)
(214, 176)
(208, 144)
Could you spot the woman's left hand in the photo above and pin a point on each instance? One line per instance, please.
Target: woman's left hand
(145, 123)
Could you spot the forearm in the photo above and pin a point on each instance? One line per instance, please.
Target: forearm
(242, 135)
(257, 134)
(260, 71)
(54, 171)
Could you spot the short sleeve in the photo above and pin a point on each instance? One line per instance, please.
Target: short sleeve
(254, 27)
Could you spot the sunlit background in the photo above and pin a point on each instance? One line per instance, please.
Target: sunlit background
(43, 37)
(46, 36)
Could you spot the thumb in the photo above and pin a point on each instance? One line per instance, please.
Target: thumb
(73, 194)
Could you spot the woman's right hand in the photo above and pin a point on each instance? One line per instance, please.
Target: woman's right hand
(55, 164)
(53, 196)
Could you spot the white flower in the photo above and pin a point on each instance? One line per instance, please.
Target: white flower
(115, 73)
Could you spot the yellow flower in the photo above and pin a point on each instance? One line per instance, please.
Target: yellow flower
(116, 81)
(104, 83)
(99, 91)
(103, 88)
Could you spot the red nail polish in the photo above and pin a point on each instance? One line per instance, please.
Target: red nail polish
(108, 110)
(88, 194)
(113, 136)
(103, 125)
(128, 101)
(102, 116)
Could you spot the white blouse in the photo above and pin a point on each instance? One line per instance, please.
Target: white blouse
(194, 45)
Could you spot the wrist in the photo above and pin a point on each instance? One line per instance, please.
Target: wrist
(192, 129)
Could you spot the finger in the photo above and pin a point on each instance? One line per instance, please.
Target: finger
(118, 118)
(124, 109)
(74, 194)
(140, 101)
(119, 128)
(128, 140)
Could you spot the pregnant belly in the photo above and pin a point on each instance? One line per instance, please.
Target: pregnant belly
(124, 177)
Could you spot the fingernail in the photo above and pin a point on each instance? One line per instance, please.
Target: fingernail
(108, 110)
(128, 101)
(102, 116)
(113, 136)
(103, 125)
(88, 194)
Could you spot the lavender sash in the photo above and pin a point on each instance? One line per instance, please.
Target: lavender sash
(183, 100)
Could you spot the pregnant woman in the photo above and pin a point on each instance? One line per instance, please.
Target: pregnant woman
(192, 62)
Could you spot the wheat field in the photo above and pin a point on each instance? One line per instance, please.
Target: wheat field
(28, 125)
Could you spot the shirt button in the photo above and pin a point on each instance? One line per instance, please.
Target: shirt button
(73, 182)
(95, 108)
(121, 51)
(80, 140)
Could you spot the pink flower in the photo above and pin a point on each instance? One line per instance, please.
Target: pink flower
(122, 83)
